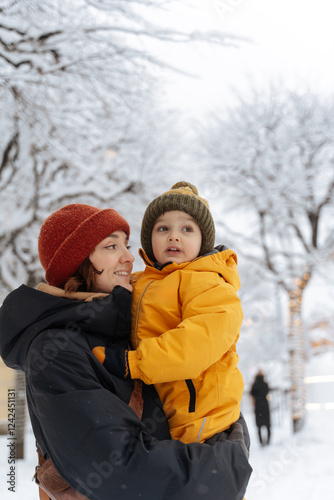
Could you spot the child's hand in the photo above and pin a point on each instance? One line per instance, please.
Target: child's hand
(114, 359)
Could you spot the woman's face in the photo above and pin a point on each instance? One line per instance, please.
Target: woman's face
(113, 257)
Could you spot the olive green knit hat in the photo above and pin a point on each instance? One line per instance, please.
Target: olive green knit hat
(182, 196)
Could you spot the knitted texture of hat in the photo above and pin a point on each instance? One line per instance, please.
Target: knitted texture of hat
(182, 196)
(69, 235)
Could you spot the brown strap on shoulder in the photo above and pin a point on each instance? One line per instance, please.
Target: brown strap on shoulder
(136, 401)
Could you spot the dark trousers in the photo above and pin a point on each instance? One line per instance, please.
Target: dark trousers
(260, 434)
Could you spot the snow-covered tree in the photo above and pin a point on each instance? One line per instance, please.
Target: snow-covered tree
(272, 158)
(77, 85)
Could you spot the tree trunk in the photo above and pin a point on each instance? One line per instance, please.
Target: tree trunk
(297, 353)
(20, 413)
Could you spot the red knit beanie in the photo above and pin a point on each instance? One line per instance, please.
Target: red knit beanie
(69, 235)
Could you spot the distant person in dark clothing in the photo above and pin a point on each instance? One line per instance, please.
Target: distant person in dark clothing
(259, 393)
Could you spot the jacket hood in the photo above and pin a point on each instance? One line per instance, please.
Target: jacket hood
(221, 260)
(27, 312)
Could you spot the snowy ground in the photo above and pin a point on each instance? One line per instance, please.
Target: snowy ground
(299, 466)
(293, 467)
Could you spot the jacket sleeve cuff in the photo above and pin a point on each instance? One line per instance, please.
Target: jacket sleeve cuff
(133, 364)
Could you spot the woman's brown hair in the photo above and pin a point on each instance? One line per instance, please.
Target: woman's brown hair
(84, 278)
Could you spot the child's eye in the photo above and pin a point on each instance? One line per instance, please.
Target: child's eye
(162, 228)
(187, 229)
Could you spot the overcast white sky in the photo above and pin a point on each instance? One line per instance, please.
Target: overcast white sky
(292, 40)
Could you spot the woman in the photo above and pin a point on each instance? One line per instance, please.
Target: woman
(107, 437)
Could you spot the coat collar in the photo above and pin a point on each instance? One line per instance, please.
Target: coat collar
(60, 292)
(221, 260)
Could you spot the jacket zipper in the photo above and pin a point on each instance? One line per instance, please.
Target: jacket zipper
(138, 312)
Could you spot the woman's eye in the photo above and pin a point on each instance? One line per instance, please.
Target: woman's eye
(112, 247)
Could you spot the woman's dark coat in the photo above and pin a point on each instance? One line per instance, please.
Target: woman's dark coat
(79, 411)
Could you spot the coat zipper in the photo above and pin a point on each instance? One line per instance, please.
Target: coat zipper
(138, 312)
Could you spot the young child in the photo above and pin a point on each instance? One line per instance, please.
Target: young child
(186, 318)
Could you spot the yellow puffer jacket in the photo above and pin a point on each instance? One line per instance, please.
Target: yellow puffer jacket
(186, 320)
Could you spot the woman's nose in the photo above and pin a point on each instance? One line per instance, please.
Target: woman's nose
(127, 256)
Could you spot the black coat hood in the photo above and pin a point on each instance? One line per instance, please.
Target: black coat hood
(27, 312)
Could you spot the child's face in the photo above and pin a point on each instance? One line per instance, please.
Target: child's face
(176, 237)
